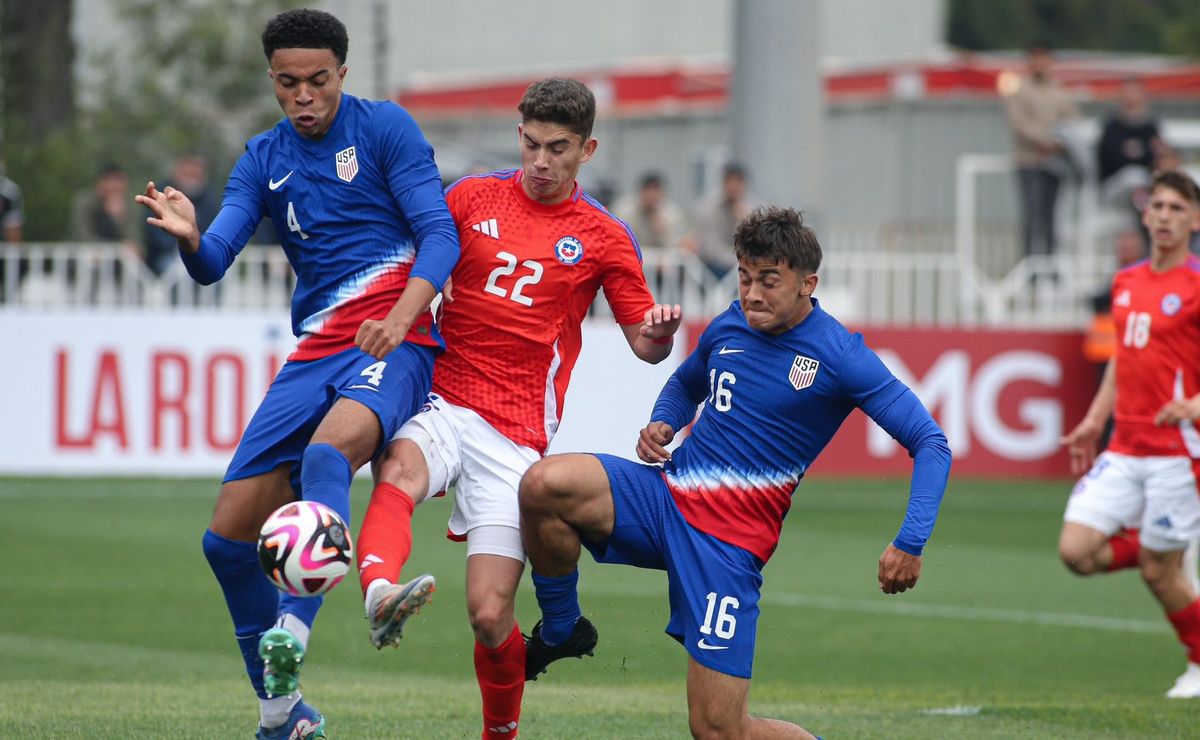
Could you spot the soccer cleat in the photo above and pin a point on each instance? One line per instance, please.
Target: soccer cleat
(304, 722)
(1187, 686)
(282, 656)
(539, 655)
(392, 605)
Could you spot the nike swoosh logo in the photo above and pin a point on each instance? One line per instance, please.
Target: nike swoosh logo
(275, 185)
(704, 645)
(727, 351)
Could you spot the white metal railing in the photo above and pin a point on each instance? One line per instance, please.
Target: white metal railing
(859, 286)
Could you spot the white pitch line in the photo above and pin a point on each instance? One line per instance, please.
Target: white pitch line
(960, 613)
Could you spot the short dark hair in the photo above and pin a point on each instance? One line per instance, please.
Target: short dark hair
(652, 179)
(305, 29)
(563, 101)
(733, 169)
(773, 234)
(1178, 181)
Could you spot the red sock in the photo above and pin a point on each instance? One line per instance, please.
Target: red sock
(501, 675)
(1186, 622)
(385, 538)
(1125, 546)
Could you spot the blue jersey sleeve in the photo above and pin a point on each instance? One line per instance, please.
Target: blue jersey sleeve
(241, 211)
(685, 389)
(416, 185)
(894, 407)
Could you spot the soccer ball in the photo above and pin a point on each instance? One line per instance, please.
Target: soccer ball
(304, 548)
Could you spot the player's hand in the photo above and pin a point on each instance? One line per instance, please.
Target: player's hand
(661, 321)
(653, 441)
(1177, 410)
(173, 213)
(898, 571)
(378, 338)
(1081, 443)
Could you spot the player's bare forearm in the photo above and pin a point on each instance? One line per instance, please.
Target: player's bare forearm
(379, 337)
(653, 441)
(652, 340)
(898, 570)
(1082, 441)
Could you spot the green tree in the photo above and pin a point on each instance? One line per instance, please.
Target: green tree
(181, 77)
(1169, 27)
(39, 136)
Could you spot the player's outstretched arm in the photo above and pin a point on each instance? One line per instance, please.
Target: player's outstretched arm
(378, 337)
(653, 441)
(898, 570)
(651, 339)
(1082, 441)
(174, 213)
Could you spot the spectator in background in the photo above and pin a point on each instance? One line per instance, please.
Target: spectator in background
(716, 220)
(105, 213)
(1036, 109)
(1126, 152)
(12, 210)
(189, 175)
(655, 220)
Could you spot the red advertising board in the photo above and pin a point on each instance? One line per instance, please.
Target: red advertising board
(1004, 398)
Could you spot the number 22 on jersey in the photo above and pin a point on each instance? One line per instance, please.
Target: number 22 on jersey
(509, 266)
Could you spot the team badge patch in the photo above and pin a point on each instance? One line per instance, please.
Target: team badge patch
(803, 372)
(1171, 304)
(347, 164)
(568, 250)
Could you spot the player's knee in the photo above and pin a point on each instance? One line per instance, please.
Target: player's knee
(535, 492)
(396, 468)
(1157, 572)
(1077, 559)
(491, 622)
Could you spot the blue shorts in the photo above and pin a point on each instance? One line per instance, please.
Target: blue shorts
(714, 586)
(304, 391)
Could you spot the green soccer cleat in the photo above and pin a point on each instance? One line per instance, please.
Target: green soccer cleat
(282, 655)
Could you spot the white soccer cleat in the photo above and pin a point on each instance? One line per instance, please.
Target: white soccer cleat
(392, 605)
(1187, 686)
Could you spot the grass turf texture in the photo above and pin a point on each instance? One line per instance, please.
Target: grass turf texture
(112, 626)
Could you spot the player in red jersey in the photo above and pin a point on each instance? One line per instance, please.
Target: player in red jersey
(536, 250)
(1138, 505)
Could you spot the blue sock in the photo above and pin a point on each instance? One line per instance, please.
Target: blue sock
(325, 478)
(559, 601)
(251, 598)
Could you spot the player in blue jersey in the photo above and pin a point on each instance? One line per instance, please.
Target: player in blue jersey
(356, 199)
(776, 376)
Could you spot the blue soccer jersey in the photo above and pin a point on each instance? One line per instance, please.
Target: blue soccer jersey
(358, 211)
(771, 402)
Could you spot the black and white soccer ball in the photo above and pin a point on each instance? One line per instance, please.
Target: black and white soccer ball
(304, 548)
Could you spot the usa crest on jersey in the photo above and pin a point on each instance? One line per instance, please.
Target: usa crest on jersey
(347, 164)
(803, 372)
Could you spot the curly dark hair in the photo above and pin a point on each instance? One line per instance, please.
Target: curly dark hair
(1178, 181)
(305, 29)
(773, 234)
(565, 102)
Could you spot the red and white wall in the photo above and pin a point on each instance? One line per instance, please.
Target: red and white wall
(132, 393)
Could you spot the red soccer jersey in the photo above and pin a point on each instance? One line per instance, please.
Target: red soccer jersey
(526, 276)
(1157, 317)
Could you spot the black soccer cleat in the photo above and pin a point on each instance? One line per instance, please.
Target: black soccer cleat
(539, 655)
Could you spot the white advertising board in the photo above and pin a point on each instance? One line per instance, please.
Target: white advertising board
(133, 393)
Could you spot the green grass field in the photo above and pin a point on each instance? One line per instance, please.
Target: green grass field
(111, 626)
